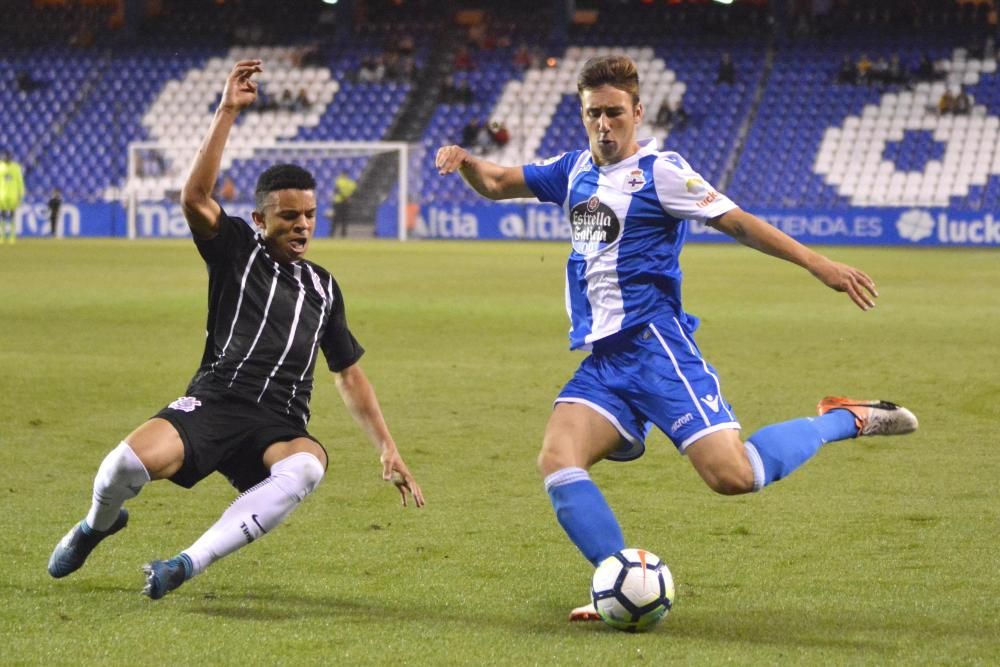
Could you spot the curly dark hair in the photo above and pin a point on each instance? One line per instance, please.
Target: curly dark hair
(282, 177)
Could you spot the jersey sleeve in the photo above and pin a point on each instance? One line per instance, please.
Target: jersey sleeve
(339, 345)
(549, 179)
(234, 235)
(683, 193)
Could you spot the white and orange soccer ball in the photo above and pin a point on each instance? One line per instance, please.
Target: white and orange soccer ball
(633, 590)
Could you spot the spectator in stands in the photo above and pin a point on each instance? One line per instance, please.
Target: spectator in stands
(26, 83)
(302, 101)
(897, 72)
(455, 93)
(372, 70)
(947, 103)
(927, 70)
(727, 71)
(962, 104)
(406, 45)
(267, 102)
(671, 115)
(522, 57)
(287, 101)
(463, 92)
(864, 67)
(463, 60)
(150, 163)
(499, 134)
(848, 72)
(344, 188)
(406, 70)
(470, 133)
(11, 193)
(55, 205)
(879, 72)
(226, 190)
(448, 93)
(309, 55)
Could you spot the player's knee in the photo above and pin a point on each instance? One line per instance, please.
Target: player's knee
(552, 458)
(303, 470)
(729, 478)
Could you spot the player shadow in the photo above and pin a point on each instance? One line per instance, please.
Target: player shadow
(793, 627)
(277, 604)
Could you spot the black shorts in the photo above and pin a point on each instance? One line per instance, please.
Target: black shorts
(226, 434)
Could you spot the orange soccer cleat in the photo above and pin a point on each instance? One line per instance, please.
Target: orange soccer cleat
(873, 417)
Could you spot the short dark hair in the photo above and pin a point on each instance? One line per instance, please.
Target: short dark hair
(282, 177)
(615, 71)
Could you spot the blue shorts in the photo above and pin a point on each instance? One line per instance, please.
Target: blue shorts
(654, 374)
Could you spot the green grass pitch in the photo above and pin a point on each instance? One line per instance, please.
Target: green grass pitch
(881, 551)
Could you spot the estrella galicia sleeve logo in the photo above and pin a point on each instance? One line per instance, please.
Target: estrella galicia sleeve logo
(594, 225)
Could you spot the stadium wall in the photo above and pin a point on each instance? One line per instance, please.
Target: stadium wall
(854, 226)
(545, 222)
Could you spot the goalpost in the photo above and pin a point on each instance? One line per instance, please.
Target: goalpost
(157, 170)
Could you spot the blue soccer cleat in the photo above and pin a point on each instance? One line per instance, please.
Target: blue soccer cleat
(163, 576)
(72, 551)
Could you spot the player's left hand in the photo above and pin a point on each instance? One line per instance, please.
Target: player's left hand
(394, 470)
(843, 278)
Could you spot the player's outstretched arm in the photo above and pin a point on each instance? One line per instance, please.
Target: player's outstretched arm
(751, 231)
(489, 179)
(200, 210)
(359, 397)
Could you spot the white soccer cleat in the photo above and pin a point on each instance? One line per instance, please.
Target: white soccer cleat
(873, 417)
(587, 612)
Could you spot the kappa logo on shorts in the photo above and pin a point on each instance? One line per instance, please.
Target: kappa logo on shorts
(185, 404)
(711, 401)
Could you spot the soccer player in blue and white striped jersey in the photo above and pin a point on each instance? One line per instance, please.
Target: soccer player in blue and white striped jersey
(245, 412)
(628, 205)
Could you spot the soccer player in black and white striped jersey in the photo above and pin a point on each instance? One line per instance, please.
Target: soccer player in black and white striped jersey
(246, 410)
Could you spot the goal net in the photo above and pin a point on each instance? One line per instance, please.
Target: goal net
(385, 177)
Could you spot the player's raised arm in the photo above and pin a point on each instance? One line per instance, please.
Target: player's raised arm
(359, 397)
(200, 210)
(751, 231)
(489, 179)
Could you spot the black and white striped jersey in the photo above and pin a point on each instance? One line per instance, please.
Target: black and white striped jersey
(266, 323)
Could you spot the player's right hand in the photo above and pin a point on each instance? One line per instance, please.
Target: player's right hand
(240, 89)
(450, 158)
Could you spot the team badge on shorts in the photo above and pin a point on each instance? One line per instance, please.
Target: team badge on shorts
(185, 404)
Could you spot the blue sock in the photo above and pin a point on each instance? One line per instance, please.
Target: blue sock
(584, 514)
(776, 450)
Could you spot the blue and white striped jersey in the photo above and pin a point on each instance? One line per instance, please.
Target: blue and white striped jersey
(628, 224)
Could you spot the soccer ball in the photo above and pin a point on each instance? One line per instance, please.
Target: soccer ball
(633, 590)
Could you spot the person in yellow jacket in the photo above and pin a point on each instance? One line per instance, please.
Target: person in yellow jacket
(343, 188)
(11, 193)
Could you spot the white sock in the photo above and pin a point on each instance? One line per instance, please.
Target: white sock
(258, 510)
(120, 477)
